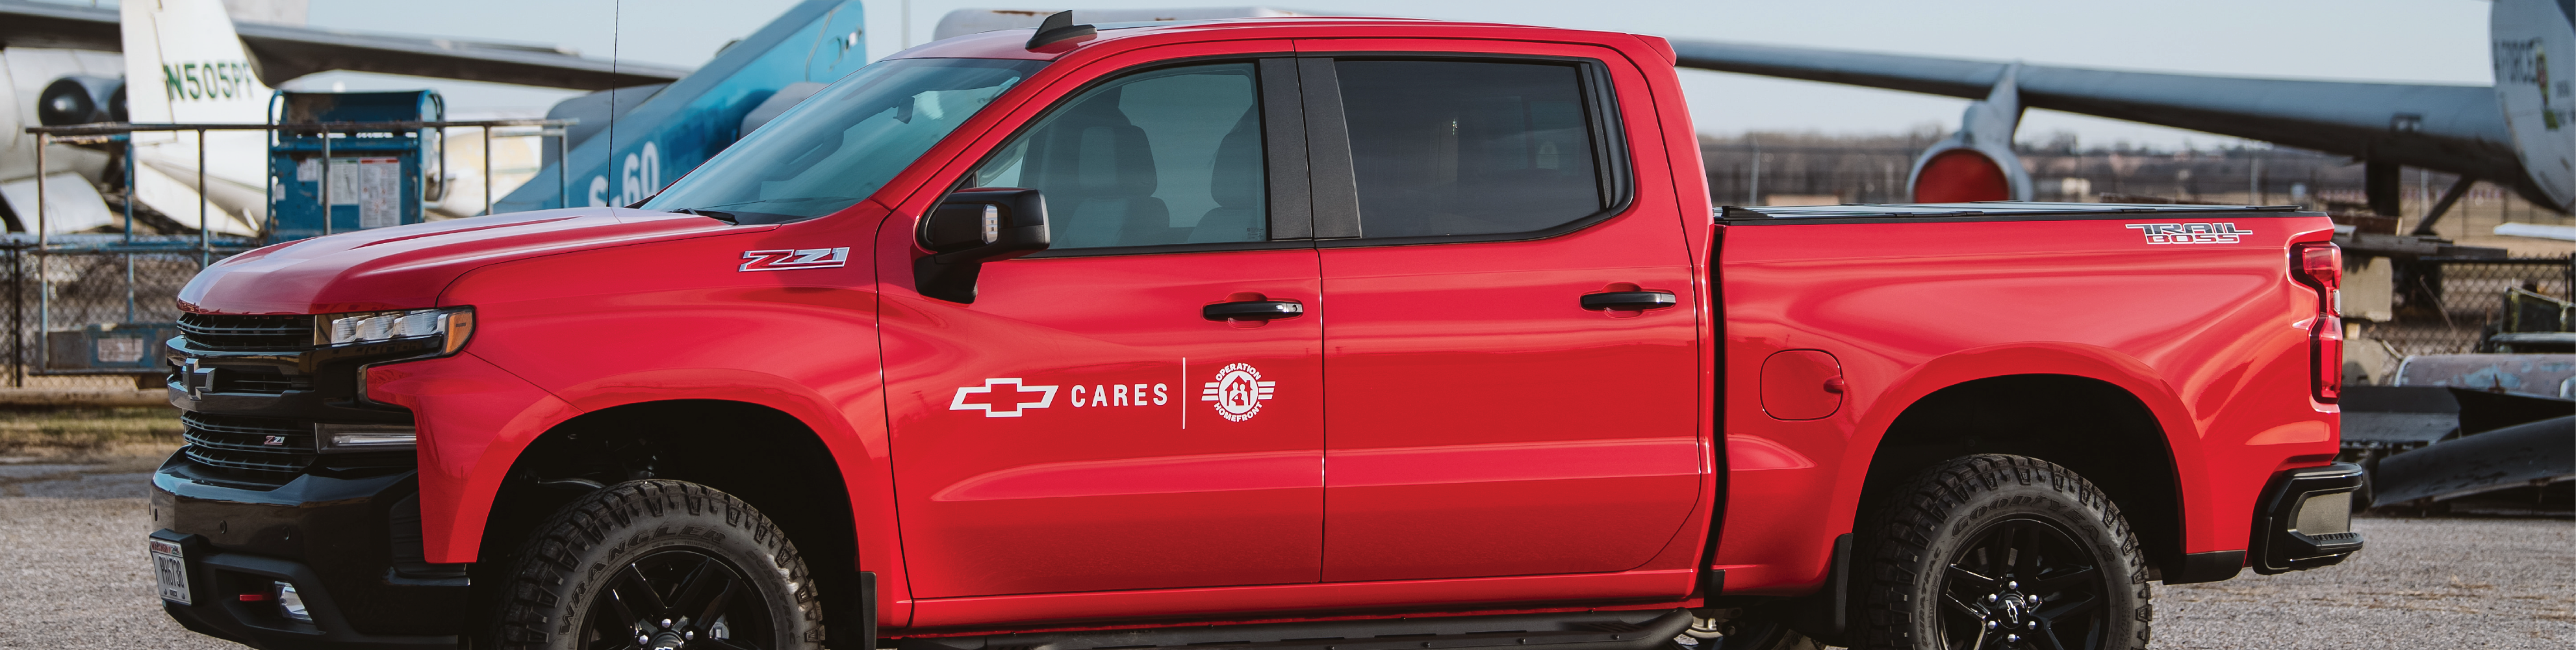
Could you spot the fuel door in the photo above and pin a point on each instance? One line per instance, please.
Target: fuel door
(1802, 385)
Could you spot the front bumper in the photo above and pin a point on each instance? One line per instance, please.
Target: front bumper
(2305, 519)
(254, 499)
(350, 545)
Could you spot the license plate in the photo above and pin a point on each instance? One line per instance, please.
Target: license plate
(171, 572)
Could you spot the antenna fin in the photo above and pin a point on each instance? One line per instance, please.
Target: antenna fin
(1057, 27)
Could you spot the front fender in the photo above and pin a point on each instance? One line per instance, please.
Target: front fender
(473, 417)
(692, 320)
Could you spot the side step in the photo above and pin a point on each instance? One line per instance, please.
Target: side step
(1631, 630)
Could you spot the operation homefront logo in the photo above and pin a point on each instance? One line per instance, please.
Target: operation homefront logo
(2191, 233)
(1238, 391)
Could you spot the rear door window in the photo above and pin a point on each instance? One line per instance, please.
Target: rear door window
(1446, 148)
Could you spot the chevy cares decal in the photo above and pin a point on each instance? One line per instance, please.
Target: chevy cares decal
(1236, 392)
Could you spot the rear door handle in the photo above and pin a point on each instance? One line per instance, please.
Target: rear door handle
(1252, 310)
(1629, 300)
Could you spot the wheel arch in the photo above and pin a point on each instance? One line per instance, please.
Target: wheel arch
(765, 455)
(2008, 399)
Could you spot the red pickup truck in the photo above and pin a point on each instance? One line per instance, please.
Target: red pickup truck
(1273, 334)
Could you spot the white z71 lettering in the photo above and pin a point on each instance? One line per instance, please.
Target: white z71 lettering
(786, 259)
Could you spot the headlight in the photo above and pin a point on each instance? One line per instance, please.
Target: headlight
(365, 437)
(454, 325)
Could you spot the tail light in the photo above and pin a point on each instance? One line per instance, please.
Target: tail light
(2320, 266)
(2325, 350)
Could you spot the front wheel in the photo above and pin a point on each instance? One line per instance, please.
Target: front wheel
(1997, 552)
(659, 565)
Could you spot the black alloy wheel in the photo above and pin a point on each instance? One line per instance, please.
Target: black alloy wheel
(658, 565)
(678, 598)
(2023, 583)
(1998, 552)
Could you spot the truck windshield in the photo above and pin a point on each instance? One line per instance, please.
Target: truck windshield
(839, 146)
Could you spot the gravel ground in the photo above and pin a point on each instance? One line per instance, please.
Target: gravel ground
(74, 570)
(71, 551)
(2422, 583)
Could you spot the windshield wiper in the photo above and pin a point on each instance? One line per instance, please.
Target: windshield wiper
(726, 217)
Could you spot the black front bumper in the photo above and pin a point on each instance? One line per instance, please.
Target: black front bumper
(254, 500)
(2305, 519)
(350, 545)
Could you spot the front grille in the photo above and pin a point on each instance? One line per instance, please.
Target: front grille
(267, 381)
(236, 332)
(241, 446)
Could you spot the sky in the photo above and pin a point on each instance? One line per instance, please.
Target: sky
(2440, 41)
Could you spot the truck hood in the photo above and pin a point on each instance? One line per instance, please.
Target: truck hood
(406, 267)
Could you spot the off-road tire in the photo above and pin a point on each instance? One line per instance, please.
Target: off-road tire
(1940, 516)
(554, 590)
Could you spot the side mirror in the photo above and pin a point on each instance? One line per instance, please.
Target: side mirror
(971, 227)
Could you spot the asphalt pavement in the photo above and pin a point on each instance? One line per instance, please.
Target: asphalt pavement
(71, 551)
(72, 567)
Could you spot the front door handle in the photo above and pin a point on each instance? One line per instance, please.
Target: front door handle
(1261, 310)
(1629, 300)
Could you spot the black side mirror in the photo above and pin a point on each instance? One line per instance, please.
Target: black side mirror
(971, 227)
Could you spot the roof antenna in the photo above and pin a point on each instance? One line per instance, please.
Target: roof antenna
(1058, 27)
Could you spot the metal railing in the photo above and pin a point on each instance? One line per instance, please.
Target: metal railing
(64, 271)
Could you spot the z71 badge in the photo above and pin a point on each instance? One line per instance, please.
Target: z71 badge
(2190, 233)
(787, 259)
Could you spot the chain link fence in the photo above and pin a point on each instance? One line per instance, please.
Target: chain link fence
(2447, 305)
(96, 308)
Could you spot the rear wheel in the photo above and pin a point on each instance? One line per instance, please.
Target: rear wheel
(659, 565)
(1997, 552)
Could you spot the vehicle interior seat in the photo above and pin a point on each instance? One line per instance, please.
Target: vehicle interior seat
(1236, 184)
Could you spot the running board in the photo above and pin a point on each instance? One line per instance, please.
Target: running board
(1628, 630)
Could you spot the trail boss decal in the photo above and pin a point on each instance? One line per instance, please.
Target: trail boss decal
(2190, 233)
(996, 401)
(788, 259)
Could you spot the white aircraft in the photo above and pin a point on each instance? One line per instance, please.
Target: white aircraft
(191, 64)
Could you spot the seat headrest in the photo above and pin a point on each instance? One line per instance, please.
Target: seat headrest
(1116, 160)
(1236, 180)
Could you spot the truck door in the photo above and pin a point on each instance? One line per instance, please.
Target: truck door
(1083, 424)
(1481, 420)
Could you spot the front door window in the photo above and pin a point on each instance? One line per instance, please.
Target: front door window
(1164, 157)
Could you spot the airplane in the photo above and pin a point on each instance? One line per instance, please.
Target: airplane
(663, 131)
(68, 65)
(678, 126)
(2519, 133)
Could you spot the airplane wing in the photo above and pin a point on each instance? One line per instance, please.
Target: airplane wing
(285, 52)
(2458, 129)
(29, 24)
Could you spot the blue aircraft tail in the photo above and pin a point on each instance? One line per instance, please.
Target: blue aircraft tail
(683, 124)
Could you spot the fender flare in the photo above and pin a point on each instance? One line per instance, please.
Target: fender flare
(2182, 432)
